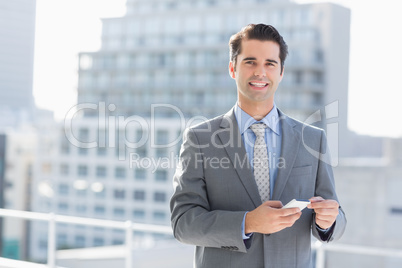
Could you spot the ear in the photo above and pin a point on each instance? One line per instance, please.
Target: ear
(231, 70)
(283, 72)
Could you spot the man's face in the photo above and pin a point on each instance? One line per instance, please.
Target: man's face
(257, 72)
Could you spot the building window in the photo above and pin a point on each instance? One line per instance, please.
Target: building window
(81, 209)
(64, 169)
(140, 174)
(62, 225)
(138, 214)
(118, 232)
(64, 147)
(318, 56)
(98, 242)
(99, 210)
(211, 2)
(162, 137)
(161, 152)
(171, 5)
(61, 240)
(46, 168)
(82, 170)
(119, 194)
(101, 151)
(142, 151)
(82, 151)
(117, 242)
(120, 172)
(139, 195)
(161, 175)
(100, 194)
(120, 136)
(159, 215)
(83, 135)
(396, 211)
(81, 192)
(100, 171)
(63, 207)
(318, 78)
(159, 197)
(43, 244)
(80, 241)
(63, 189)
(119, 212)
(298, 77)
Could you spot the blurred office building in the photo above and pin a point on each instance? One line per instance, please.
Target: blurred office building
(94, 174)
(18, 153)
(370, 193)
(162, 66)
(17, 34)
(176, 52)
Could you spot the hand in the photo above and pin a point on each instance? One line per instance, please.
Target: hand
(270, 218)
(326, 211)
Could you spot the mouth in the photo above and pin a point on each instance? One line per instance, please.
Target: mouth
(258, 85)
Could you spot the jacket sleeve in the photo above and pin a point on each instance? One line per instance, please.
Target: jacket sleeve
(325, 187)
(193, 220)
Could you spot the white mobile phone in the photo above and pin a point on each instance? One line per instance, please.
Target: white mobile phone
(297, 203)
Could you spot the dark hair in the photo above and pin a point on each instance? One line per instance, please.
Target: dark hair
(261, 32)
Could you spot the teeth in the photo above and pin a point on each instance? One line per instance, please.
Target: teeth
(259, 84)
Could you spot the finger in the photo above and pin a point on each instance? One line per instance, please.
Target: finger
(325, 218)
(326, 212)
(273, 203)
(326, 222)
(289, 220)
(288, 211)
(330, 204)
(316, 199)
(324, 225)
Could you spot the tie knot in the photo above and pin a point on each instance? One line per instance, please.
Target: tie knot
(258, 129)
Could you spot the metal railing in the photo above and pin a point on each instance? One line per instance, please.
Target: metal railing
(130, 227)
(322, 248)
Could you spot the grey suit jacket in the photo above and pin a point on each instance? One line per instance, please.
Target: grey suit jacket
(214, 186)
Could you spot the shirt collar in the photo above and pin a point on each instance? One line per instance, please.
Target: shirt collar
(244, 120)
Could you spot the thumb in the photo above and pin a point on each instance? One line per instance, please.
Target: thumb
(316, 199)
(273, 203)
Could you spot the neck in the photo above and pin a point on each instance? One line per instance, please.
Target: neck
(256, 110)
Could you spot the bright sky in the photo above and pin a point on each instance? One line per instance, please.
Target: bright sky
(66, 27)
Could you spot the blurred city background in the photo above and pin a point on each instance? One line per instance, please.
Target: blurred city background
(95, 95)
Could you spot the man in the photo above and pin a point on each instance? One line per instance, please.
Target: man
(237, 170)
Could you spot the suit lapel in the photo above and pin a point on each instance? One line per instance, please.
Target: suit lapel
(230, 137)
(290, 147)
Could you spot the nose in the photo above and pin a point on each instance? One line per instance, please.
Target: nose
(260, 72)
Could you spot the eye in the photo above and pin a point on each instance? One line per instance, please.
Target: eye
(250, 62)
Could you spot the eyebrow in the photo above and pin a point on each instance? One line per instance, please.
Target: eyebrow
(253, 58)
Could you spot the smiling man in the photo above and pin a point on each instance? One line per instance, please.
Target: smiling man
(232, 210)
